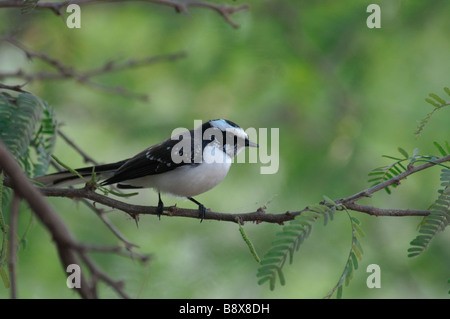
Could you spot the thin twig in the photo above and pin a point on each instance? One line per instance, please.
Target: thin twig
(115, 250)
(375, 211)
(98, 274)
(259, 215)
(65, 243)
(13, 244)
(17, 88)
(180, 6)
(87, 159)
(99, 212)
(393, 181)
(63, 71)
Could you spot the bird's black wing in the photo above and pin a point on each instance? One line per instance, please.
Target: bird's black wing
(154, 160)
(56, 179)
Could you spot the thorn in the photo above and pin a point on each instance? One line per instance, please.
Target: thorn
(160, 208)
(136, 219)
(180, 8)
(261, 210)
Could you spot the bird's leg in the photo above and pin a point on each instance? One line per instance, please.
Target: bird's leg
(160, 209)
(201, 208)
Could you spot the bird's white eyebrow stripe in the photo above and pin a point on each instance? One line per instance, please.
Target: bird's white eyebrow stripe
(226, 127)
(221, 124)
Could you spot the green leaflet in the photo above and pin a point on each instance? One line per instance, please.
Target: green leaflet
(440, 148)
(288, 241)
(5, 277)
(28, 129)
(292, 235)
(381, 174)
(2, 219)
(443, 149)
(249, 244)
(403, 152)
(438, 103)
(18, 120)
(436, 221)
(354, 257)
(3, 250)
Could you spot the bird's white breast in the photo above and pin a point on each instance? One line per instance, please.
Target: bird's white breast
(190, 180)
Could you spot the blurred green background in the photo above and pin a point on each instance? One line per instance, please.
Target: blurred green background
(341, 95)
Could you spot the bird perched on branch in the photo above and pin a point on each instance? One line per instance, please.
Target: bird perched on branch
(185, 165)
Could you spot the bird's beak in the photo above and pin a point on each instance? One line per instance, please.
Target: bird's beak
(251, 144)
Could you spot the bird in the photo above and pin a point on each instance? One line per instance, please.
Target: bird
(185, 165)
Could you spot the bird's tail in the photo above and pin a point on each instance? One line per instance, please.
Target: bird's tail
(67, 178)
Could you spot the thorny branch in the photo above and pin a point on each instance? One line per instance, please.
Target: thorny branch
(62, 71)
(99, 211)
(17, 88)
(69, 250)
(13, 245)
(180, 6)
(88, 195)
(257, 216)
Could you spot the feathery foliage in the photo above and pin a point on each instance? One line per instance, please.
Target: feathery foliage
(289, 240)
(28, 129)
(438, 103)
(384, 173)
(439, 216)
(381, 174)
(436, 221)
(292, 236)
(354, 256)
(3, 229)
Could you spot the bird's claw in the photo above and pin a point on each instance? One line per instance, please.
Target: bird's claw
(202, 211)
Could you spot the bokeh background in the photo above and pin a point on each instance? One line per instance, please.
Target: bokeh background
(341, 94)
